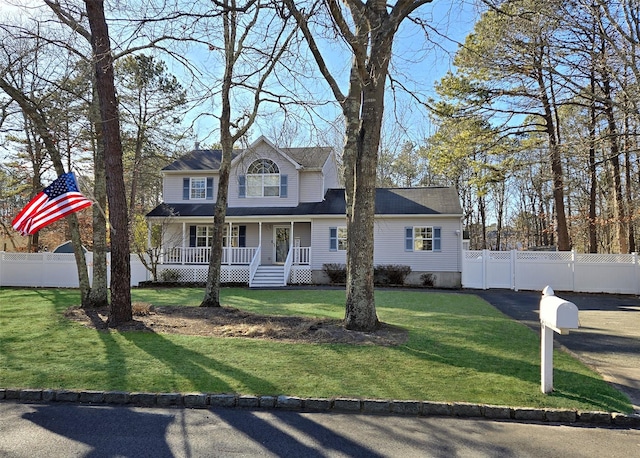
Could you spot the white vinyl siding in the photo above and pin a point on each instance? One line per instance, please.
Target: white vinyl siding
(173, 186)
(321, 252)
(389, 244)
(330, 174)
(389, 236)
(311, 187)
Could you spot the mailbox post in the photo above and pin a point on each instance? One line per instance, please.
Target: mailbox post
(557, 315)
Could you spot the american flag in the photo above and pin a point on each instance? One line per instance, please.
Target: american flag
(59, 199)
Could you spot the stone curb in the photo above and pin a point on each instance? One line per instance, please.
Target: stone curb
(338, 405)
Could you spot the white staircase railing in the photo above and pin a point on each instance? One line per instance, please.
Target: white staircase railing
(255, 263)
(287, 265)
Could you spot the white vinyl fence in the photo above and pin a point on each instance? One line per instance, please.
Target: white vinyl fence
(517, 270)
(53, 269)
(562, 270)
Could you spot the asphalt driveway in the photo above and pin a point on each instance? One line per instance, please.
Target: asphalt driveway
(608, 339)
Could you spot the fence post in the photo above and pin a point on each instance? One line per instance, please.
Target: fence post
(514, 286)
(636, 269)
(485, 258)
(573, 270)
(43, 270)
(1, 262)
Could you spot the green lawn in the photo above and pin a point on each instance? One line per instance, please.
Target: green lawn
(460, 349)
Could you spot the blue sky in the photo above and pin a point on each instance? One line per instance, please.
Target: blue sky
(419, 63)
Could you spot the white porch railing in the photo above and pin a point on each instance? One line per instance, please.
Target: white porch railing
(301, 255)
(201, 255)
(236, 255)
(233, 255)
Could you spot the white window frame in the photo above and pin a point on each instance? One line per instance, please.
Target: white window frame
(204, 234)
(266, 177)
(426, 239)
(198, 188)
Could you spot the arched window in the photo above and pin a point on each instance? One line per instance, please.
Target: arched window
(263, 179)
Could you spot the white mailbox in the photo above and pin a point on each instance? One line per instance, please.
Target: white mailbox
(556, 313)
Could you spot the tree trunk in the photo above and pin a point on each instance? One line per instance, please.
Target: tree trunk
(593, 175)
(120, 308)
(212, 291)
(363, 116)
(564, 243)
(619, 210)
(482, 219)
(99, 295)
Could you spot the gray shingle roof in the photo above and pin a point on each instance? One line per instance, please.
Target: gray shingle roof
(209, 159)
(389, 201)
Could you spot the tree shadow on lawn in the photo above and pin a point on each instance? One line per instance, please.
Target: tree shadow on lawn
(573, 386)
(199, 369)
(192, 365)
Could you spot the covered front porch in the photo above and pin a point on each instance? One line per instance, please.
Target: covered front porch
(260, 254)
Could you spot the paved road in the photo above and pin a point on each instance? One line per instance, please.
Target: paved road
(73, 430)
(608, 339)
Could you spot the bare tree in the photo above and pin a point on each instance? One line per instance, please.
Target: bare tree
(120, 307)
(240, 21)
(368, 28)
(42, 126)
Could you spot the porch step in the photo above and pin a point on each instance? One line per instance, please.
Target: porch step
(268, 277)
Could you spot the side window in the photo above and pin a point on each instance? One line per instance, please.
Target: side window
(337, 238)
(425, 238)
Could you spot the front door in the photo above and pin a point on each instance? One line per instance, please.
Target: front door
(282, 237)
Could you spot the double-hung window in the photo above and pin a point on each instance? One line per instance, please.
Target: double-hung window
(197, 188)
(423, 238)
(337, 238)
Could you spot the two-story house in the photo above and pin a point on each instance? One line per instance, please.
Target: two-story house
(286, 219)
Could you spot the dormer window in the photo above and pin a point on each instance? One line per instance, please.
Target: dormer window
(263, 179)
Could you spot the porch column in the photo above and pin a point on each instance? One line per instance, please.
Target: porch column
(260, 234)
(182, 251)
(291, 248)
(229, 245)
